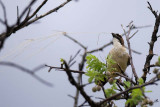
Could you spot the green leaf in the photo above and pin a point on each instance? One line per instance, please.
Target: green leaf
(136, 97)
(111, 91)
(90, 79)
(62, 60)
(140, 81)
(149, 91)
(95, 69)
(127, 84)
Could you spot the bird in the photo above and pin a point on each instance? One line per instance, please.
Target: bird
(118, 59)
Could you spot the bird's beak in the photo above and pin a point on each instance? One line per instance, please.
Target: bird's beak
(114, 35)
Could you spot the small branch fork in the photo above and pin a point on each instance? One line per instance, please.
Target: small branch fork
(154, 37)
(28, 20)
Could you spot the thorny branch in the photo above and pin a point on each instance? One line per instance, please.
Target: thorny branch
(146, 68)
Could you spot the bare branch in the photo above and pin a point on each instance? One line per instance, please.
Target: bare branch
(133, 34)
(2, 22)
(153, 11)
(18, 21)
(32, 73)
(72, 58)
(152, 66)
(27, 7)
(64, 69)
(83, 104)
(4, 13)
(49, 12)
(134, 51)
(130, 53)
(104, 91)
(74, 40)
(127, 78)
(71, 96)
(146, 68)
(101, 48)
(37, 10)
(38, 68)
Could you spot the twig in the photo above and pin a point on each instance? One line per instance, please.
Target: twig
(71, 96)
(32, 73)
(130, 53)
(152, 66)
(18, 21)
(133, 34)
(27, 7)
(153, 11)
(83, 104)
(79, 79)
(38, 68)
(86, 84)
(101, 48)
(49, 12)
(77, 91)
(37, 10)
(119, 86)
(4, 13)
(64, 69)
(74, 40)
(72, 58)
(134, 51)
(126, 77)
(104, 91)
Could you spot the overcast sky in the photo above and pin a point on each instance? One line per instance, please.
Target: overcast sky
(89, 21)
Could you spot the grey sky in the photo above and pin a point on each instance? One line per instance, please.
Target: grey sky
(86, 20)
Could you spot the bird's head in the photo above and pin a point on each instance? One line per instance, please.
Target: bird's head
(118, 38)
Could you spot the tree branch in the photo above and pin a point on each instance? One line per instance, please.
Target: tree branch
(74, 40)
(5, 14)
(130, 53)
(146, 68)
(30, 72)
(74, 83)
(64, 69)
